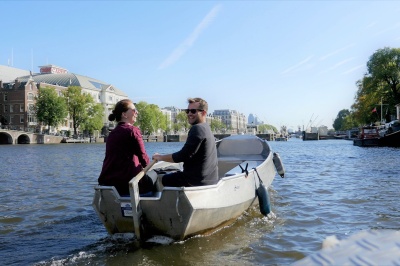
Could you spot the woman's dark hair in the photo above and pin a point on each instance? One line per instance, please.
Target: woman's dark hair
(120, 107)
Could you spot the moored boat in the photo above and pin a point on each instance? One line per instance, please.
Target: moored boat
(247, 167)
(368, 137)
(379, 136)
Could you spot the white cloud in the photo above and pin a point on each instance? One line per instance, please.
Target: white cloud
(188, 42)
(353, 69)
(341, 63)
(336, 52)
(297, 66)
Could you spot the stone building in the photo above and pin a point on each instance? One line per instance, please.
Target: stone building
(18, 97)
(234, 121)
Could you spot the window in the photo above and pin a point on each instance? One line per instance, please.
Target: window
(5, 97)
(21, 108)
(31, 108)
(31, 119)
(31, 97)
(21, 119)
(5, 109)
(11, 108)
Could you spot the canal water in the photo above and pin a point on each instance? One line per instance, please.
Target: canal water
(331, 188)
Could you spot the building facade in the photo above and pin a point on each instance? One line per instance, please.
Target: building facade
(18, 97)
(233, 120)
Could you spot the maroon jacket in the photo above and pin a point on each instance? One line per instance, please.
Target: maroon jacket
(125, 157)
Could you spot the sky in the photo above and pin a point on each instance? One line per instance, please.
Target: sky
(289, 63)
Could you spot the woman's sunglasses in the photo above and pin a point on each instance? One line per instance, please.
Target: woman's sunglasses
(193, 111)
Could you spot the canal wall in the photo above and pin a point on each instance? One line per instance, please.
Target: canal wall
(21, 137)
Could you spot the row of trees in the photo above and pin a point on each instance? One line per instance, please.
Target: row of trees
(52, 109)
(151, 119)
(381, 84)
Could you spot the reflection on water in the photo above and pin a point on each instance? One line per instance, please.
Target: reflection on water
(331, 188)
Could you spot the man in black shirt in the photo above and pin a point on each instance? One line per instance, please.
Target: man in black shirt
(199, 154)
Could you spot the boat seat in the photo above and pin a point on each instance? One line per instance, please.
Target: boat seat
(237, 170)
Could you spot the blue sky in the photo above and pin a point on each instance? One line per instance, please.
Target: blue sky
(291, 63)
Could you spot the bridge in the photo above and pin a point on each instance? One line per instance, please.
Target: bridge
(24, 137)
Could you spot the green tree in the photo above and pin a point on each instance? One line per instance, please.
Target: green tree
(367, 98)
(165, 122)
(349, 122)
(338, 122)
(150, 118)
(94, 119)
(379, 85)
(384, 69)
(50, 108)
(182, 121)
(78, 104)
(217, 125)
(263, 128)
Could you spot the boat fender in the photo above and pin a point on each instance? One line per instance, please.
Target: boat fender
(263, 197)
(263, 200)
(245, 169)
(279, 165)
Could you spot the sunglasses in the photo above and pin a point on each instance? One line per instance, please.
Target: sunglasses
(193, 111)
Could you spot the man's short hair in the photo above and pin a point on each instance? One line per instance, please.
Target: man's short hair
(203, 104)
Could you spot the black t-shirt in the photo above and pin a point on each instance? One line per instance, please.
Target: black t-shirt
(199, 155)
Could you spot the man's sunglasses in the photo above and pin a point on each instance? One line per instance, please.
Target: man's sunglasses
(193, 111)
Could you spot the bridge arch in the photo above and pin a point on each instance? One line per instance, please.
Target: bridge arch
(23, 139)
(5, 138)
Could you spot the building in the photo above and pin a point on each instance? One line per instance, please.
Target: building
(18, 97)
(233, 120)
(9, 74)
(253, 120)
(171, 112)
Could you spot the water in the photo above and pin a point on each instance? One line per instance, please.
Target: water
(331, 188)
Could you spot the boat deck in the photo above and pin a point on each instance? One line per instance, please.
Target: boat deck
(375, 247)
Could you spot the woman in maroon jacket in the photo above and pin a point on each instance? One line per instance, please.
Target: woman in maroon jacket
(125, 152)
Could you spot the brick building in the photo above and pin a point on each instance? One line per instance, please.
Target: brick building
(18, 97)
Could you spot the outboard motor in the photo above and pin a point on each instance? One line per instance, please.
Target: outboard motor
(279, 165)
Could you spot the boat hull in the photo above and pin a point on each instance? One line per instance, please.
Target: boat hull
(388, 140)
(366, 142)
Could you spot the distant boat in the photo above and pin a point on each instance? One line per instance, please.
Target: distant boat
(310, 135)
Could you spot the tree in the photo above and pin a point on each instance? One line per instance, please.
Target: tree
(384, 69)
(182, 121)
(265, 127)
(150, 118)
(379, 85)
(165, 123)
(338, 122)
(78, 104)
(50, 108)
(217, 125)
(94, 119)
(349, 122)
